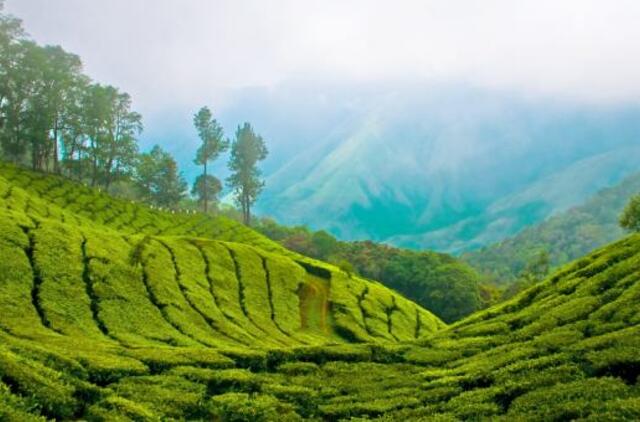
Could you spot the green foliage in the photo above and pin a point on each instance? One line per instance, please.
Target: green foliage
(157, 178)
(247, 149)
(213, 143)
(630, 218)
(565, 237)
(439, 282)
(241, 407)
(55, 119)
(206, 187)
(212, 136)
(112, 310)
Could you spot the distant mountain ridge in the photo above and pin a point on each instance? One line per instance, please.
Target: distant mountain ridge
(565, 236)
(545, 198)
(451, 170)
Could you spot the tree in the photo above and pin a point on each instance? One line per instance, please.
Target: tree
(207, 187)
(11, 34)
(325, 244)
(171, 186)
(630, 218)
(64, 82)
(246, 150)
(538, 267)
(111, 127)
(52, 76)
(19, 80)
(213, 143)
(49, 110)
(157, 177)
(147, 172)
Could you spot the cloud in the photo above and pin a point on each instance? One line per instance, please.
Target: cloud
(171, 52)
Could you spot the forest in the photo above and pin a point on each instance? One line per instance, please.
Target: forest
(54, 118)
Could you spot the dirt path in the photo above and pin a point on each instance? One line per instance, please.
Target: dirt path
(314, 304)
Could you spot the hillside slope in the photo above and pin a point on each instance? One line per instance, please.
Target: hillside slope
(565, 236)
(203, 277)
(99, 324)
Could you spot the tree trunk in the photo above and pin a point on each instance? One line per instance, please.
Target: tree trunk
(109, 173)
(205, 196)
(80, 168)
(34, 155)
(56, 168)
(94, 159)
(246, 213)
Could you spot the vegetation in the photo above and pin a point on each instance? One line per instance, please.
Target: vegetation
(156, 176)
(80, 206)
(117, 310)
(54, 118)
(246, 150)
(439, 282)
(564, 237)
(630, 218)
(213, 143)
(158, 315)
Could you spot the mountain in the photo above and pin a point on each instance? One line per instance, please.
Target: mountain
(115, 311)
(565, 236)
(542, 199)
(450, 169)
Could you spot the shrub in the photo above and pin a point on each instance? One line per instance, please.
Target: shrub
(574, 400)
(630, 217)
(241, 407)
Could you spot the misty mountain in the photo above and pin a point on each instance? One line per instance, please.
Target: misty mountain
(565, 236)
(448, 169)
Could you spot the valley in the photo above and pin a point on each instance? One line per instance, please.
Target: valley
(158, 314)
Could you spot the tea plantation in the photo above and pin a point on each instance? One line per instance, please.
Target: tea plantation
(112, 310)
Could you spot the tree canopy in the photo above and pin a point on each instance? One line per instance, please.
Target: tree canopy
(207, 187)
(630, 218)
(213, 144)
(158, 178)
(51, 113)
(247, 149)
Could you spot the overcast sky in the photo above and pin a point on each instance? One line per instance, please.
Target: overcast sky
(190, 51)
(293, 67)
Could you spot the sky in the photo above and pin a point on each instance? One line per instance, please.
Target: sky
(174, 56)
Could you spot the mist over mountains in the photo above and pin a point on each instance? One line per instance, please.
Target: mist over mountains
(449, 168)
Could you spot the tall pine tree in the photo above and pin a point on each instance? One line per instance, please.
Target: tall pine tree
(246, 150)
(213, 143)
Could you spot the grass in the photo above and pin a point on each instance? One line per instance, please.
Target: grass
(112, 310)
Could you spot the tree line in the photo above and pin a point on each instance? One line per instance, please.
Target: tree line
(54, 118)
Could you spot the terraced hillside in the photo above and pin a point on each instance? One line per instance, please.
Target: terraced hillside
(199, 280)
(114, 311)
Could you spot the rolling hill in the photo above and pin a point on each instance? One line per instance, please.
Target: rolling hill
(565, 236)
(115, 311)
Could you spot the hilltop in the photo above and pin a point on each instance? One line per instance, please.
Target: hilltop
(115, 311)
